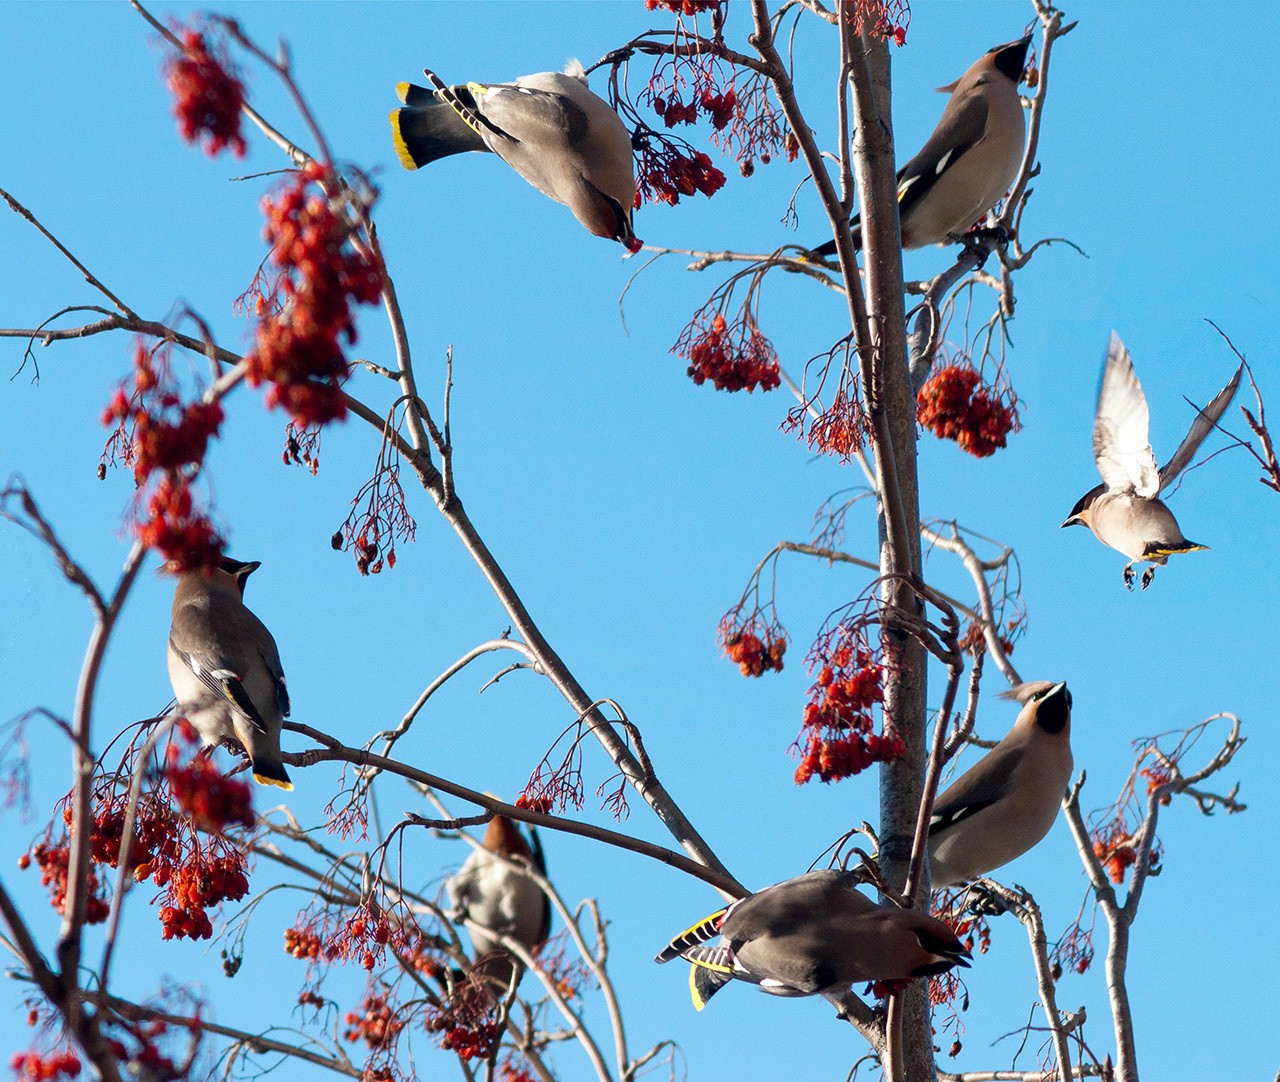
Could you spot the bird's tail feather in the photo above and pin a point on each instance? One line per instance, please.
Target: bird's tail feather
(272, 774)
(707, 928)
(704, 983)
(427, 129)
(1157, 549)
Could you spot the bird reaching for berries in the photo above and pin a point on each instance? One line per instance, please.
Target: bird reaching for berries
(813, 935)
(549, 127)
(969, 161)
(1005, 803)
(1125, 512)
(225, 668)
(491, 893)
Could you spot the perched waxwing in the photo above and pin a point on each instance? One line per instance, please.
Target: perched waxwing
(225, 669)
(549, 127)
(490, 893)
(812, 935)
(1125, 511)
(1006, 802)
(970, 160)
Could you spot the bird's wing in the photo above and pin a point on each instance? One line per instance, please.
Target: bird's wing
(529, 115)
(979, 787)
(705, 929)
(219, 675)
(1121, 445)
(1200, 428)
(961, 126)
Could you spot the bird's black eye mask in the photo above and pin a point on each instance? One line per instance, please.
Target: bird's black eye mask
(1054, 712)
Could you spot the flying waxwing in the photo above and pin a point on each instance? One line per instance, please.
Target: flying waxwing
(970, 160)
(1006, 802)
(1125, 511)
(812, 935)
(491, 893)
(549, 127)
(225, 669)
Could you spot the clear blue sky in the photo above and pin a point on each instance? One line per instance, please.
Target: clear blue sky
(629, 506)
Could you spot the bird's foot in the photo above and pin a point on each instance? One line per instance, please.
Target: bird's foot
(984, 900)
(1128, 577)
(1148, 575)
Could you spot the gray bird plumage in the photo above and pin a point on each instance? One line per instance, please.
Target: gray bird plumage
(549, 127)
(1125, 511)
(971, 159)
(225, 668)
(811, 935)
(1006, 802)
(492, 894)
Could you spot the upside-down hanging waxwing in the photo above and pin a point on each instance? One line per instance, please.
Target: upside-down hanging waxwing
(970, 160)
(1125, 511)
(494, 894)
(225, 668)
(549, 127)
(813, 935)
(1006, 802)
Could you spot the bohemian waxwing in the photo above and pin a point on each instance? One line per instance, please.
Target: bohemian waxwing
(549, 127)
(1125, 511)
(812, 935)
(1006, 802)
(971, 158)
(225, 669)
(492, 894)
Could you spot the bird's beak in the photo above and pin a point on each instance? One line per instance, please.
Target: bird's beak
(1072, 521)
(1057, 689)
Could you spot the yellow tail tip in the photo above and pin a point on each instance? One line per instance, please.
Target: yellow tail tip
(397, 137)
(262, 779)
(698, 1001)
(402, 92)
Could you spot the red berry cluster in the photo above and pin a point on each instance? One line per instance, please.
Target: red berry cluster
(1074, 950)
(670, 169)
(1157, 776)
(202, 880)
(883, 18)
(208, 96)
(683, 7)
(1117, 849)
(841, 428)
(157, 434)
(298, 350)
(733, 358)
(211, 799)
(838, 740)
(157, 430)
(511, 1072)
(375, 1023)
(366, 936)
(753, 655)
(943, 989)
(955, 406)
(302, 944)
(46, 1068)
(719, 106)
(466, 1023)
(974, 638)
(974, 930)
(53, 862)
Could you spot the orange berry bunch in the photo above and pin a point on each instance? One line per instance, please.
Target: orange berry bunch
(211, 799)
(840, 429)
(838, 738)
(671, 168)
(753, 647)
(883, 18)
(298, 349)
(47, 1068)
(53, 862)
(301, 943)
(718, 106)
(157, 434)
(208, 95)
(1116, 848)
(202, 880)
(365, 937)
(955, 406)
(375, 1023)
(733, 359)
(683, 7)
(1074, 951)
(466, 1023)
(1157, 776)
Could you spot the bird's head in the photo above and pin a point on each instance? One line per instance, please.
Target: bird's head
(1082, 513)
(1010, 59)
(238, 570)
